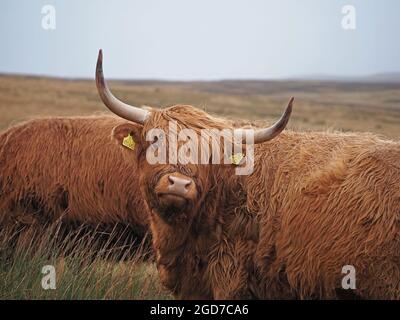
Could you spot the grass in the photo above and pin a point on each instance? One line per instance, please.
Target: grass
(84, 268)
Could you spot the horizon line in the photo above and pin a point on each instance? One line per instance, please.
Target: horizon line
(368, 78)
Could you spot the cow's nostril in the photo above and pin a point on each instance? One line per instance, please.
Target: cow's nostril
(179, 182)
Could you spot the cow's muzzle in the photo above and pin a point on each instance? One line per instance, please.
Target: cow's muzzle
(175, 193)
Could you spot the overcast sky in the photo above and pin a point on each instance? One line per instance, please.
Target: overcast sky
(200, 39)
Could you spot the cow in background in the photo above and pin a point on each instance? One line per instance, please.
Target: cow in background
(67, 169)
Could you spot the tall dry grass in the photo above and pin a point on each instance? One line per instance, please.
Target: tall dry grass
(86, 267)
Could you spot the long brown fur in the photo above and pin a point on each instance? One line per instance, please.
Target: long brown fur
(69, 169)
(314, 203)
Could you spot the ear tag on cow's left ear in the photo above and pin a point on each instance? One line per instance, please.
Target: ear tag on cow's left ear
(129, 142)
(237, 158)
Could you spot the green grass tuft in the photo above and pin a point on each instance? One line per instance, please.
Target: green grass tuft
(85, 268)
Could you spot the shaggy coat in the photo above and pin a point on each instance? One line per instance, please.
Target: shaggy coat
(68, 168)
(315, 202)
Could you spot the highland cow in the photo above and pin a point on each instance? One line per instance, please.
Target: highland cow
(66, 169)
(315, 202)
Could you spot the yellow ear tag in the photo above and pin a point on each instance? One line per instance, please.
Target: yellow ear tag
(129, 142)
(237, 158)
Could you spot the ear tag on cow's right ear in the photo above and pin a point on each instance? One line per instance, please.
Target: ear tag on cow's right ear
(129, 142)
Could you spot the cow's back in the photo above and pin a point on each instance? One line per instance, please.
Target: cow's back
(334, 200)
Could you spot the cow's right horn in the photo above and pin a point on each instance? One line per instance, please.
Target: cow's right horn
(121, 109)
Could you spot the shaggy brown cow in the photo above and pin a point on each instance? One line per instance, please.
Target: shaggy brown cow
(315, 202)
(67, 168)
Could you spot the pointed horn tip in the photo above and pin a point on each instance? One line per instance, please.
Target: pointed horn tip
(290, 105)
(100, 83)
(100, 57)
(291, 102)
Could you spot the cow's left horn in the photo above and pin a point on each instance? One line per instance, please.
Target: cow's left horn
(116, 106)
(266, 134)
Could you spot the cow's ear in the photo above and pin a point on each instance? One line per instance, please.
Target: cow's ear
(127, 135)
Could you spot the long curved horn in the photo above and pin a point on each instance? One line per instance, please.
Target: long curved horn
(266, 134)
(116, 106)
